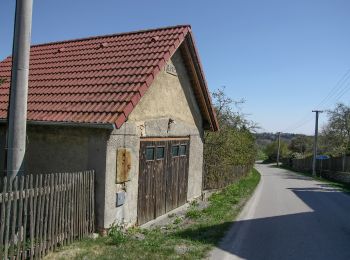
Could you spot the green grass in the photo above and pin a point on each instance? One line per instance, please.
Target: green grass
(185, 238)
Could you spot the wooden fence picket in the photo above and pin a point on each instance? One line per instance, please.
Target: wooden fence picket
(2, 218)
(46, 214)
(31, 214)
(26, 196)
(7, 221)
(13, 222)
(19, 222)
(40, 212)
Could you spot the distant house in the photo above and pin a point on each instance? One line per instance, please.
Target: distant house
(132, 106)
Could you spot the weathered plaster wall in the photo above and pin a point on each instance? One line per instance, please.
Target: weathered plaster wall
(125, 137)
(2, 149)
(64, 149)
(57, 149)
(169, 97)
(52, 149)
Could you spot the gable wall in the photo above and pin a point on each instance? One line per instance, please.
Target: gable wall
(170, 96)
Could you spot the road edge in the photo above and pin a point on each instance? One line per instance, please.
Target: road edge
(235, 231)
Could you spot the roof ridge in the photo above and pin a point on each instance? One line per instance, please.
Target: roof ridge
(111, 95)
(111, 35)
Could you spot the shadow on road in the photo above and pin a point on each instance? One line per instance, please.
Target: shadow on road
(323, 233)
(294, 176)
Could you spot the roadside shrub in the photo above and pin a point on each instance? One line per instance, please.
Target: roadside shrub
(116, 233)
(177, 221)
(272, 148)
(230, 153)
(193, 213)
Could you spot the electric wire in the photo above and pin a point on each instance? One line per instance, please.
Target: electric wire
(345, 90)
(335, 89)
(338, 90)
(338, 93)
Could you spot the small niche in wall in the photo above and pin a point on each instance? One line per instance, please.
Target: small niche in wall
(170, 68)
(123, 165)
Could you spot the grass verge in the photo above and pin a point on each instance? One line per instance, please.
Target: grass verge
(341, 186)
(189, 237)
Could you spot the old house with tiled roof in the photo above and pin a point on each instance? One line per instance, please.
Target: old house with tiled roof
(131, 106)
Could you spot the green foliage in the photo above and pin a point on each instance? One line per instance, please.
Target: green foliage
(272, 149)
(177, 221)
(233, 144)
(261, 155)
(296, 155)
(196, 236)
(335, 138)
(229, 147)
(116, 234)
(301, 144)
(193, 212)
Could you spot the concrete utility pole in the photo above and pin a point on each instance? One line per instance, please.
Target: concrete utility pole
(17, 112)
(315, 142)
(278, 149)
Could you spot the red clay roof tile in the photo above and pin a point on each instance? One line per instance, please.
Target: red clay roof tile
(93, 80)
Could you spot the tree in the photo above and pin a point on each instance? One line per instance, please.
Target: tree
(301, 144)
(232, 145)
(228, 112)
(336, 134)
(272, 149)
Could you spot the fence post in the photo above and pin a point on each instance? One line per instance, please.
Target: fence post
(56, 208)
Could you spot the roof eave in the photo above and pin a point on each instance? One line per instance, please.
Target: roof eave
(214, 125)
(109, 126)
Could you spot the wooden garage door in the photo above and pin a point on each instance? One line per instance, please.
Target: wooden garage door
(163, 176)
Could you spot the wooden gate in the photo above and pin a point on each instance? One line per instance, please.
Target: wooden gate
(163, 176)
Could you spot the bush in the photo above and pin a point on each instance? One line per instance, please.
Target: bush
(233, 145)
(272, 148)
(116, 233)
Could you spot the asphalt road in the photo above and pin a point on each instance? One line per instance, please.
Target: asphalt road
(289, 217)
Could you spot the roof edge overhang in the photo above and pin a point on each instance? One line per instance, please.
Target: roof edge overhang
(209, 113)
(187, 40)
(123, 117)
(109, 35)
(109, 126)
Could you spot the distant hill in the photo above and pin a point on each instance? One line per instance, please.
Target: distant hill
(263, 139)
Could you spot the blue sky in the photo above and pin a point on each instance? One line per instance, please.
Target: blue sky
(282, 57)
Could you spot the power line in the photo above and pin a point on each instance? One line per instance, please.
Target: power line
(338, 90)
(345, 90)
(306, 119)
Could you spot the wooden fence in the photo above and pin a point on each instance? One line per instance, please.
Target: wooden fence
(335, 168)
(40, 212)
(333, 164)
